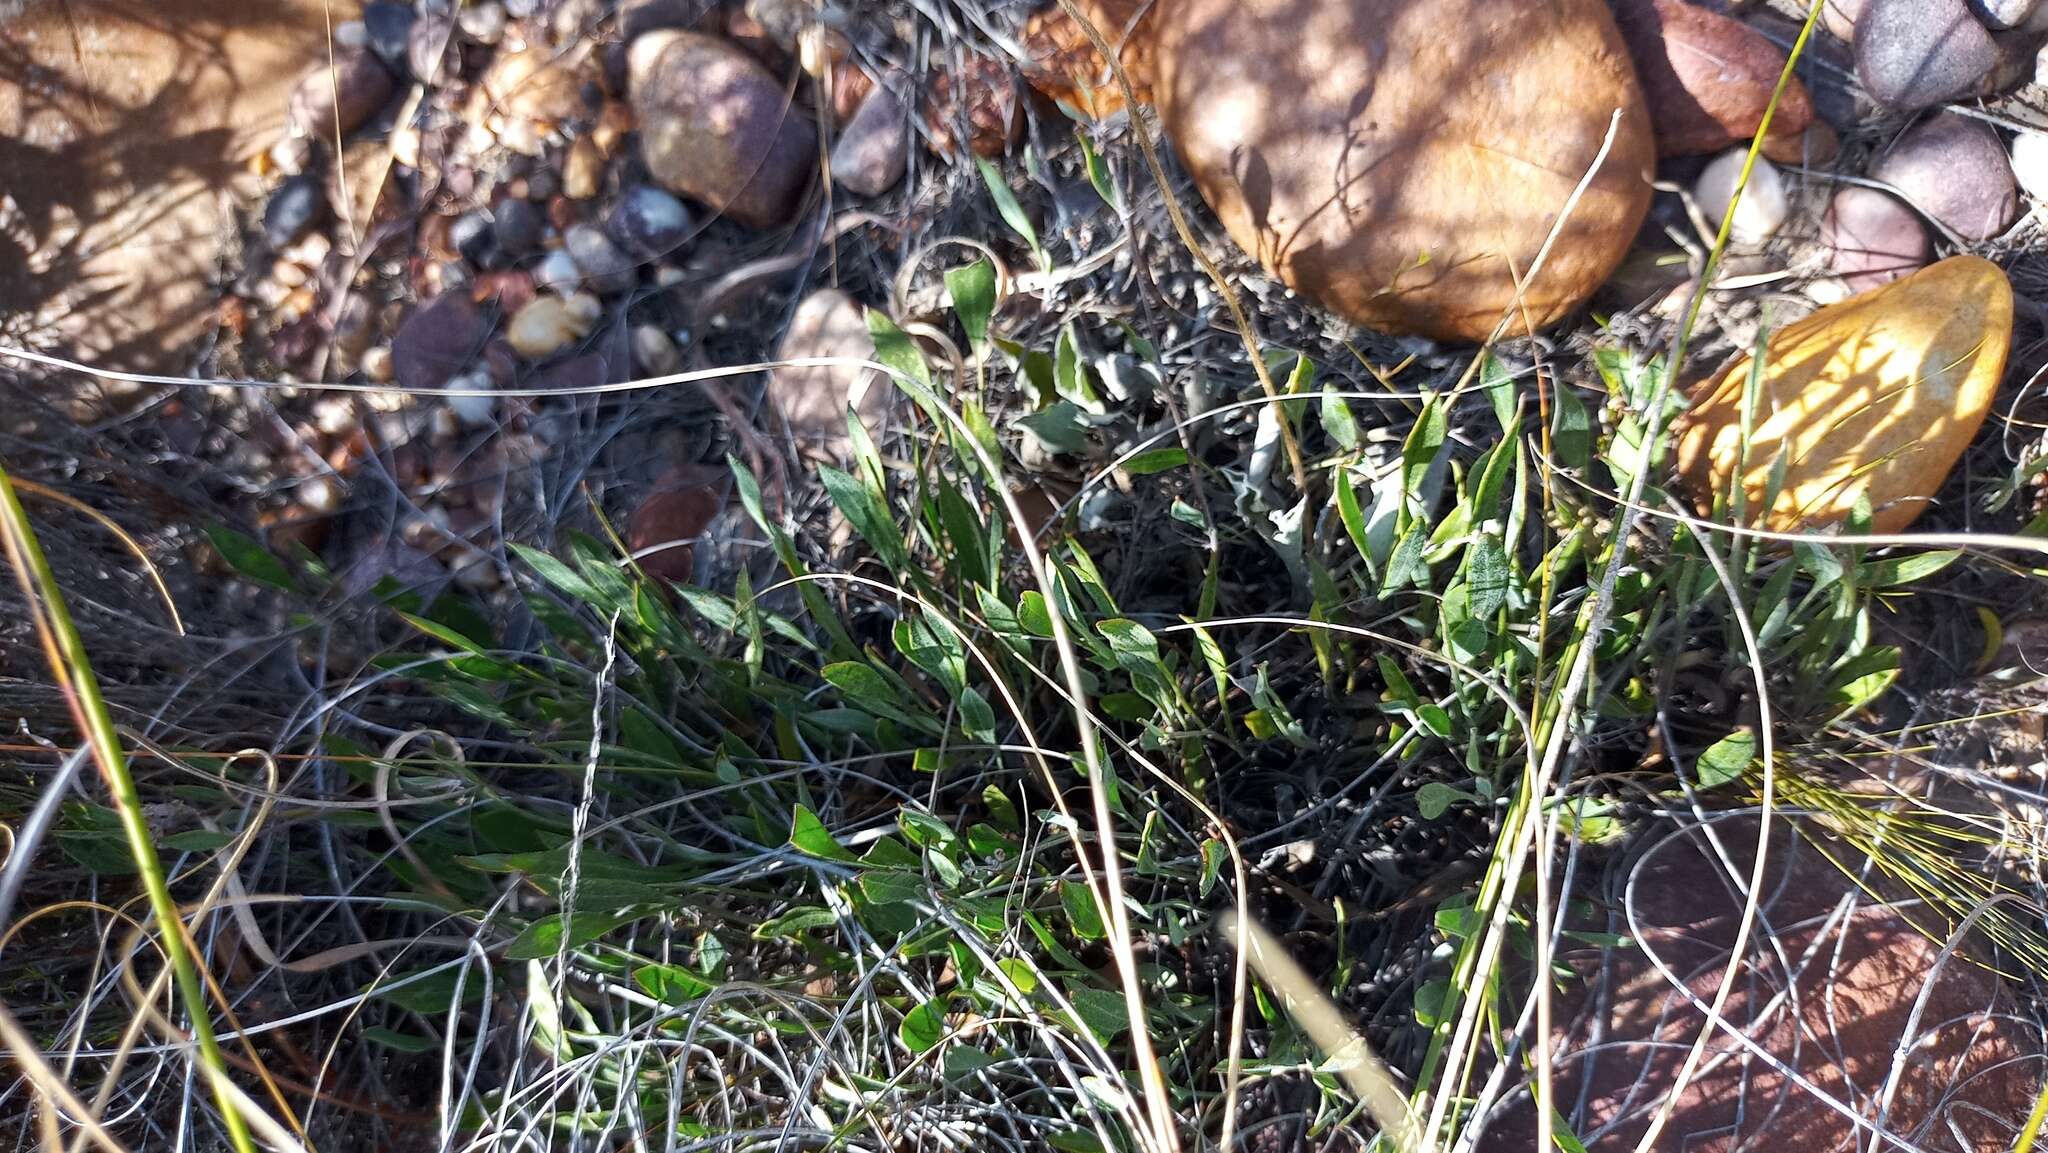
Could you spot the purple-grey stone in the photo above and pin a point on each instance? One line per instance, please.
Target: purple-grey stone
(1913, 54)
(1954, 169)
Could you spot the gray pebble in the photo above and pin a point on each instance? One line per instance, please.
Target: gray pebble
(519, 227)
(871, 154)
(1954, 168)
(474, 236)
(649, 222)
(390, 31)
(293, 209)
(2005, 14)
(1871, 238)
(1913, 54)
(604, 267)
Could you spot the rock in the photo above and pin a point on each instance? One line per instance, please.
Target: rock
(557, 272)
(636, 17)
(528, 94)
(603, 266)
(1872, 239)
(549, 324)
(870, 156)
(518, 226)
(474, 236)
(649, 222)
(427, 44)
(1840, 16)
(482, 21)
(813, 400)
(478, 407)
(977, 101)
(1405, 186)
(1708, 79)
(1876, 397)
(340, 99)
(654, 353)
(2030, 163)
(1954, 169)
(680, 508)
(297, 205)
(2002, 15)
(1066, 69)
(389, 27)
(1764, 205)
(437, 342)
(1913, 54)
(716, 126)
(1856, 1001)
(582, 169)
(379, 367)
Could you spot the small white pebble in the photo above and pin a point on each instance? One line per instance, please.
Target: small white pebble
(557, 272)
(480, 408)
(1764, 206)
(2030, 163)
(377, 364)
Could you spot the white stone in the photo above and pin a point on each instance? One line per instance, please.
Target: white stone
(479, 407)
(1764, 205)
(2030, 163)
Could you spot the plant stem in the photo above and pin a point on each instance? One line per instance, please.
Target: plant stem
(89, 709)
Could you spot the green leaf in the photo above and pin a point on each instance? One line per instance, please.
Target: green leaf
(1429, 1003)
(197, 841)
(1012, 212)
(1904, 570)
(1100, 1011)
(1034, 614)
(1082, 912)
(1486, 576)
(1435, 798)
(249, 558)
(1098, 169)
(894, 348)
(672, 984)
(1156, 461)
(795, 923)
(558, 574)
(973, 289)
(1061, 427)
(1571, 430)
(1861, 679)
(429, 995)
(543, 938)
(809, 835)
(1424, 442)
(923, 1027)
(1499, 384)
(398, 1042)
(1726, 759)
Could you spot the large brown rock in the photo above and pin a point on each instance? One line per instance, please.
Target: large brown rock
(718, 127)
(1827, 989)
(1875, 397)
(1708, 79)
(123, 126)
(1401, 162)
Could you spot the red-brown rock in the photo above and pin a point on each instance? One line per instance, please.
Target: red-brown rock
(717, 127)
(1708, 79)
(682, 504)
(1966, 1075)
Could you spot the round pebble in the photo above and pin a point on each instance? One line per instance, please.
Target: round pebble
(438, 341)
(1764, 205)
(654, 354)
(474, 236)
(1954, 168)
(604, 267)
(427, 43)
(549, 324)
(582, 169)
(482, 22)
(2030, 163)
(479, 406)
(389, 29)
(649, 222)
(342, 99)
(2002, 15)
(293, 209)
(1872, 238)
(557, 272)
(377, 364)
(1913, 54)
(518, 226)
